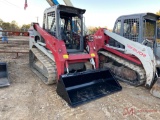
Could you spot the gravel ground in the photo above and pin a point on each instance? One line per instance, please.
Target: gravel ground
(27, 98)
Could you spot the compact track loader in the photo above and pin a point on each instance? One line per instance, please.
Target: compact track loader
(57, 55)
(131, 51)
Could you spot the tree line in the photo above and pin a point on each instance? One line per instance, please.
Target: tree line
(92, 29)
(13, 26)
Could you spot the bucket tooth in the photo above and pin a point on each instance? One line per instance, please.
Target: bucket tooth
(82, 87)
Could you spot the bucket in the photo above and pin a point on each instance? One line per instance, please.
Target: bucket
(4, 81)
(82, 87)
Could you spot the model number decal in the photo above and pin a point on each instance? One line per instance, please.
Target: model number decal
(98, 37)
(135, 50)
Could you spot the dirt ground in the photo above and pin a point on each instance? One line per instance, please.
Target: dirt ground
(27, 98)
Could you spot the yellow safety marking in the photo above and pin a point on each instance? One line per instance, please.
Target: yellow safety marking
(65, 56)
(93, 55)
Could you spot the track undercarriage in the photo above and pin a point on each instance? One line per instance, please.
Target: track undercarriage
(43, 66)
(122, 69)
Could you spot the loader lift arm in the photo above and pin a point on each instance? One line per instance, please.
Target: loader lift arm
(143, 53)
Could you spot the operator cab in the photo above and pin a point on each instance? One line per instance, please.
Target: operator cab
(66, 23)
(140, 28)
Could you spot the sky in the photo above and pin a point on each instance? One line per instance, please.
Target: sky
(99, 13)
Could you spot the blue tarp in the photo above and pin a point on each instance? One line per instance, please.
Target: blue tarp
(5, 38)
